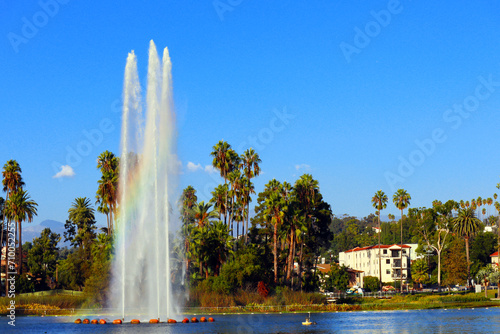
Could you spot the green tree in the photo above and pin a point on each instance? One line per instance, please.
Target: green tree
(250, 163)
(275, 210)
(11, 181)
(107, 191)
(467, 225)
(97, 281)
(81, 222)
(401, 200)
(420, 271)
(42, 257)
(338, 278)
(483, 244)
(455, 263)
(188, 201)
(19, 208)
(483, 276)
(379, 201)
(225, 160)
(202, 214)
(371, 283)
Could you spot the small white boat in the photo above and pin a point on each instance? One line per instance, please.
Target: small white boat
(308, 321)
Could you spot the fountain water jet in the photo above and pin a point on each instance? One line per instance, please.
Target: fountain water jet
(141, 266)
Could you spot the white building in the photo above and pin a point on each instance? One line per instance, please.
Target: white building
(366, 259)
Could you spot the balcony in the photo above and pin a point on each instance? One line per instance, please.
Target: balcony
(397, 264)
(398, 276)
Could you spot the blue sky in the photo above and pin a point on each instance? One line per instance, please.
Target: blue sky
(362, 95)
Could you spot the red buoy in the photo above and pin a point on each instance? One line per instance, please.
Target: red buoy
(135, 321)
(211, 319)
(94, 321)
(172, 321)
(78, 321)
(185, 320)
(103, 322)
(86, 321)
(194, 319)
(203, 319)
(154, 321)
(117, 321)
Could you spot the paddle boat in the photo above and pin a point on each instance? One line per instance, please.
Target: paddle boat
(308, 321)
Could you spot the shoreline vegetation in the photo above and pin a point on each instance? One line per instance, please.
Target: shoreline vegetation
(288, 302)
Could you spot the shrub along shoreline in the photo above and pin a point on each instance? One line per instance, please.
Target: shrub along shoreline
(284, 301)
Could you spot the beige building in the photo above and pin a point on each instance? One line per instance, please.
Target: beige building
(366, 259)
(494, 258)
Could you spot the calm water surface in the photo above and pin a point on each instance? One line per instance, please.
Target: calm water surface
(425, 321)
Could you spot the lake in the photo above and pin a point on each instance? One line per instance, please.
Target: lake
(415, 321)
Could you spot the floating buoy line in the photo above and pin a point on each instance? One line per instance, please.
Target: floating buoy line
(137, 321)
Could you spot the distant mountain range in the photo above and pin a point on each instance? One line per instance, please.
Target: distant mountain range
(31, 231)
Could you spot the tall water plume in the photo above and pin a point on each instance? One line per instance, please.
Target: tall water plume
(141, 266)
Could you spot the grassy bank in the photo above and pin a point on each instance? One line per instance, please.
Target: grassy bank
(44, 304)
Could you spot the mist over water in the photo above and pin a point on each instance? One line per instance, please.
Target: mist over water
(141, 268)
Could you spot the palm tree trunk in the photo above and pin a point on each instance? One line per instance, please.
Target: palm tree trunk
(300, 265)
(275, 236)
(20, 251)
(290, 255)
(401, 286)
(379, 254)
(248, 218)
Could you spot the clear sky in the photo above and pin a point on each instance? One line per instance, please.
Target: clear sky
(363, 95)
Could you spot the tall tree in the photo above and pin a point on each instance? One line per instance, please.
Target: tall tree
(250, 163)
(222, 161)
(188, 201)
(401, 200)
(19, 208)
(275, 210)
(107, 191)
(202, 213)
(379, 201)
(219, 199)
(42, 257)
(11, 181)
(467, 225)
(80, 225)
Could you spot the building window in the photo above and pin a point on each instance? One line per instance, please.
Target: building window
(385, 251)
(388, 272)
(404, 251)
(388, 261)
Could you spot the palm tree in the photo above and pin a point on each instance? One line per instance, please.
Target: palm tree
(275, 210)
(235, 182)
(479, 203)
(188, 200)
(81, 215)
(489, 201)
(11, 181)
(379, 201)
(220, 244)
(107, 192)
(250, 164)
(202, 213)
(419, 271)
(222, 162)
(219, 199)
(401, 200)
(466, 225)
(306, 191)
(19, 208)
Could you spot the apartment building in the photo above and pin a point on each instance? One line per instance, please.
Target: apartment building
(366, 259)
